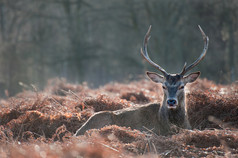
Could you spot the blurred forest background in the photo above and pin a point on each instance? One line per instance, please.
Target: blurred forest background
(99, 41)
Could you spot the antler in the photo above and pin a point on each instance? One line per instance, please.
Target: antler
(206, 41)
(145, 55)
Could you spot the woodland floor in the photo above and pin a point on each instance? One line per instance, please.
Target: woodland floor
(41, 124)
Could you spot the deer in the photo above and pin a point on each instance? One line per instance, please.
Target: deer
(156, 117)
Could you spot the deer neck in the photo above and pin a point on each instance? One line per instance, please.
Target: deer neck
(177, 115)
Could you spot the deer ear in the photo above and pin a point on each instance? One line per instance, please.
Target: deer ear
(191, 77)
(155, 77)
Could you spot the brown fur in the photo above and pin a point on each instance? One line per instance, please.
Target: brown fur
(140, 117)
(134, 117)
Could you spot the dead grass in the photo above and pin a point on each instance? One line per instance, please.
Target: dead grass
(42, 124)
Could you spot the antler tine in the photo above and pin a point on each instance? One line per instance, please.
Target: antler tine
(184, 67)
(203, 54)
(145, 55)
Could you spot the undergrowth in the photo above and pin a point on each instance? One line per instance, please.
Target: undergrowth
(42, 123)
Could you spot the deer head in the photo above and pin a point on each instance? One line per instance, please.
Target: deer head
(173, 84)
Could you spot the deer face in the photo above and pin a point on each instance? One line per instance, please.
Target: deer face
(173, 86)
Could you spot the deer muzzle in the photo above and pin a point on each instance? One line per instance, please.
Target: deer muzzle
(172, 103)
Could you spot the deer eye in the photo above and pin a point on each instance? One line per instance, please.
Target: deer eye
(181, 87)
(164, 87)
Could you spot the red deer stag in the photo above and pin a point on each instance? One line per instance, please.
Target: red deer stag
(156, 117)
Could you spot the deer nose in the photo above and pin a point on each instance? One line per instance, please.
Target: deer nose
(171, 102)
